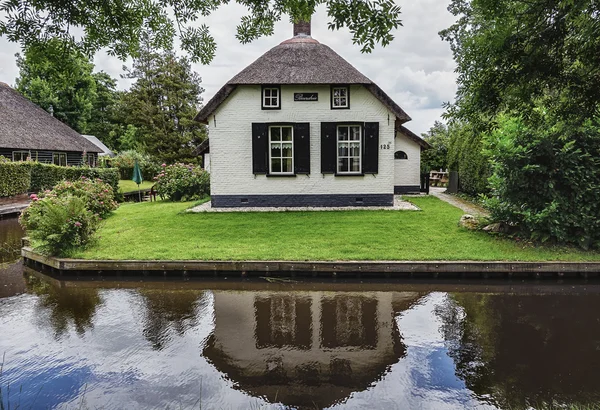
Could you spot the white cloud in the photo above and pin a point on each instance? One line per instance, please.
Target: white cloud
(416, 70)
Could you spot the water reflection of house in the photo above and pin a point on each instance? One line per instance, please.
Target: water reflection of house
(306, 348)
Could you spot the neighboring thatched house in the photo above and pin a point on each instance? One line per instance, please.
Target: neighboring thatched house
(302, 127)
(27, 131)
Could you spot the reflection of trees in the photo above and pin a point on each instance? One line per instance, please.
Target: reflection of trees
(524, 350)
(10, 240)
(167, 311)
(62, 308)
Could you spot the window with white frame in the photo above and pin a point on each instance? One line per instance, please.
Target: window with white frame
(20, 155)
(59, 158)
(271, 97)
(340, 97)
(91, 160)
(349, 147)
(281, 149)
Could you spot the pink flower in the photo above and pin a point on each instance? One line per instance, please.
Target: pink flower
(77, 224)
(33, 196)
(163, 165)
(101, 202)
(35, 199)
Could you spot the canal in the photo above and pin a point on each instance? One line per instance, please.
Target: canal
(258, 344)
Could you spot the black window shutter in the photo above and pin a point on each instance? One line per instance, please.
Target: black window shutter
(328, 147)
(302, 148)
(371, 148)
(260, 148)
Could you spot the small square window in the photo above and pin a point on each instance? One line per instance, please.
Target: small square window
(20, 155)
(340, 97)
(271, 98)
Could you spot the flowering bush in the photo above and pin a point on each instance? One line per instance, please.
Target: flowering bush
(180, 182)
(67, 216)
(59, 224)
(98, 196)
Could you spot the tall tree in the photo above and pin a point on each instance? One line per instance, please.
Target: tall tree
(116, 24)
(162, 104)
(436, 157)
(105, 122)
(59, 80)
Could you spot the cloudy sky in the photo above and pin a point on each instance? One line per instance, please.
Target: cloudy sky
(416, 70)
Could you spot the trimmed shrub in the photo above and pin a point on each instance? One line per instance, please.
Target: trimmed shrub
(59, 224)
(546, 178)
(15, 178)
(125, 162)
(180, 182)
(46, 176)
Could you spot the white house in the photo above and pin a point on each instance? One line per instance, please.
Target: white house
(302, 127)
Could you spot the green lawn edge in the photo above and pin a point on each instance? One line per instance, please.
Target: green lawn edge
(127, 186)
(165, 231)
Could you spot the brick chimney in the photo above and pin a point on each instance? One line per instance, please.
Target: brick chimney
(302, 28)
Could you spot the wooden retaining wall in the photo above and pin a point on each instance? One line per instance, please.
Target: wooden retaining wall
(388, 269)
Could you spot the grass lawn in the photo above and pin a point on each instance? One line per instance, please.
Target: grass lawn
(162, 230)
(127, 185)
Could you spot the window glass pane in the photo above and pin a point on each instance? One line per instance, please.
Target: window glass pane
(274, 92)
(286, 150)
(286, 133)
(276, 165)
(355, 164)
(287, 165)
(354, 149)
(343, 164)
(342, 102)
(355, 133)
(267, 92)
(274, 102)
(275, 150)
(275, 134)
(343, 149)
(342, 133)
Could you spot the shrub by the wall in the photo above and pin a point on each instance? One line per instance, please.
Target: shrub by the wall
(180, 182)
(14, 178)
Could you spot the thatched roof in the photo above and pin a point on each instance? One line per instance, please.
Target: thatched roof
(24, 125)
(300, 60)
(424, 144)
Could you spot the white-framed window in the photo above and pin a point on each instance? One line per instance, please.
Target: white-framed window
(271, 97)
(91, 160)
(349, 148)
(20, 155)
(340, 97)
(281, 149)
(59, 158)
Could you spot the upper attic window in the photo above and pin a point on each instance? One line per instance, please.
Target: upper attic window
(271, 98)
(340, 97)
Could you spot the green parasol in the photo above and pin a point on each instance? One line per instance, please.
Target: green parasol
(137, 177)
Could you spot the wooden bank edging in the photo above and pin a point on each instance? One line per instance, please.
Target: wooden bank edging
(287, 268)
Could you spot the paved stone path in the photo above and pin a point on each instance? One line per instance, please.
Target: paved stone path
(399, 205)
(467, 207)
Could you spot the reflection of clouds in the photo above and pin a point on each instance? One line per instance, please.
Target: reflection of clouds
(418, 60)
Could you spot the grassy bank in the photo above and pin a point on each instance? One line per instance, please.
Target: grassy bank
(126, 185)
(162, 230)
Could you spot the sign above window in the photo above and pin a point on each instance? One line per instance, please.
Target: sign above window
(306, 96)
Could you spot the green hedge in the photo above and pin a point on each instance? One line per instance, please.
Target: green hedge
(15, 179)
(46, 176)
(21, 177)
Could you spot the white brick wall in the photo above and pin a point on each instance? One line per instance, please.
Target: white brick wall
(407, 171)
(230, 131)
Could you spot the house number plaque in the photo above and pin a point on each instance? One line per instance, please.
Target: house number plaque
(306, 96)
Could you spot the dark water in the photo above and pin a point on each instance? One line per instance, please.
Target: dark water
(259, 345)
(11, 270)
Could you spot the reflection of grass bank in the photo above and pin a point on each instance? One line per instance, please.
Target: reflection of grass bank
(161, 230)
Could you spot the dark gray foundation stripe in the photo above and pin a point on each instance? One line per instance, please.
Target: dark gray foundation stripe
(236, 201)
(407, 189)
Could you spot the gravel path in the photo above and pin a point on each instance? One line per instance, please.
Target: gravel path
(399, 205)
(466, 206)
